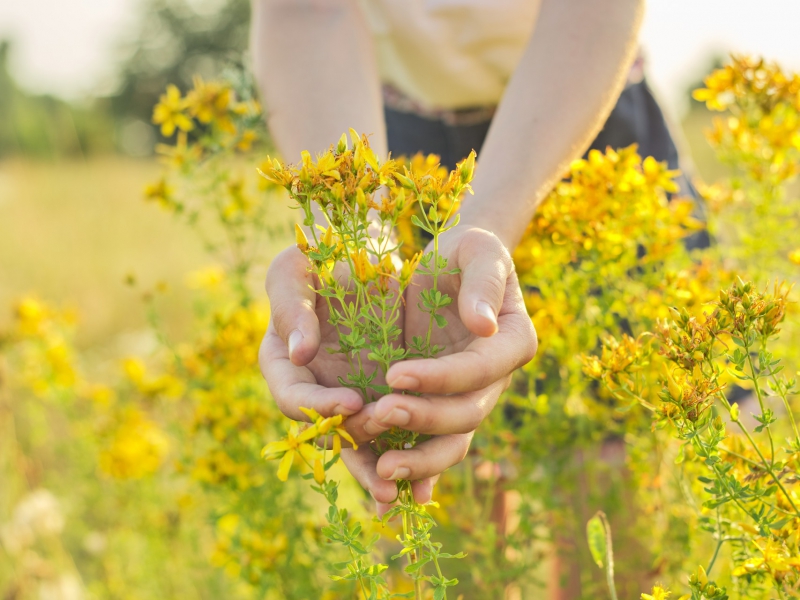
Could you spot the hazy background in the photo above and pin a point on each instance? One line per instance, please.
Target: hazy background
(113, 58)
(78, 80)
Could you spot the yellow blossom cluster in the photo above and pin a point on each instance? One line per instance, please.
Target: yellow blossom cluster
(762, 133)
(209, 119)
(137, 447)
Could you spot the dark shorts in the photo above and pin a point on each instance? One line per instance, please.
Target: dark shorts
(636, 118)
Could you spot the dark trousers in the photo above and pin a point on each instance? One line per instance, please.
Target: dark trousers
(636, 118)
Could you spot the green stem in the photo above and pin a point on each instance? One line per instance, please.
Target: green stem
(759, 395)
(720, 541)
(767, 465)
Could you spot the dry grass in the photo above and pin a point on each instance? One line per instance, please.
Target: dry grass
(72, 231)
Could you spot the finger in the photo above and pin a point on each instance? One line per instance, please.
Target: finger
(292, 304)
(362, 465)
(363, 426)
(430, 414)
(427, 459)
(294, 387)
(483, 362)
(485, 266)
(423, 489)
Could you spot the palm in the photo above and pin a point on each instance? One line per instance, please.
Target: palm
(455, 336)
(329, 365)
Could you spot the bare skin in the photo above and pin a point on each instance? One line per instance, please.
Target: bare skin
(308, 52)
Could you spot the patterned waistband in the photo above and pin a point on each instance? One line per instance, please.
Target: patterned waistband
(397, 100)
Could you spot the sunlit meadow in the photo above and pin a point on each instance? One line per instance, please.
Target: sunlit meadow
(662, 394)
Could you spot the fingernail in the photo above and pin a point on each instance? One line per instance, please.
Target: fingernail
(372, 428)
(404, 382)
(397, 417)
(401, 473)
(295, 339)
(340, 409)
(486, 311)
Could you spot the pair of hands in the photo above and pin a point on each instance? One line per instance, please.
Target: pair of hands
(488, 336)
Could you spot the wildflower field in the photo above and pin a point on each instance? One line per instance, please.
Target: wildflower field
(649, 450)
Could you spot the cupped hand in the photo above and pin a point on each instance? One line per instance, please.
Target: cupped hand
(293, 357)
(488, 335)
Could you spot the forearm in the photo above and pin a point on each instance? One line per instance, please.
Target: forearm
(315, 67)
(564, 88)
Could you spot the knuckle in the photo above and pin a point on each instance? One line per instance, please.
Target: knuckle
(495, 284)
(532, 345)
(506, 382)
(288, 260)
(474, 417)
(427, 417)
(463, 443)
(287, 313)
(526, 341)
(481, 375)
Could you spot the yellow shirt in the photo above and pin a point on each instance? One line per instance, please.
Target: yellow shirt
(450, 54)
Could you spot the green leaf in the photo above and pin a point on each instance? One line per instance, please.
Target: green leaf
(415, 220)
(381, 389)
(596, 535)
(414, 567)
(440, 320)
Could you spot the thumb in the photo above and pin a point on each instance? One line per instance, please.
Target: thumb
(485, 267)
(292, 305)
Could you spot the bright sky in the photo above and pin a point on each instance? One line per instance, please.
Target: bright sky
(68, 47)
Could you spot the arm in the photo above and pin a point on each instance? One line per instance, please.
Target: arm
(316, 70)
(563, 89)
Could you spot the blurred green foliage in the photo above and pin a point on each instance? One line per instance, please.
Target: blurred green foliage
(45, 126)
(172, 41)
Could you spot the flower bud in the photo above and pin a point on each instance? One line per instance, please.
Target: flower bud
(326, 277)
(341, 147)
(319, 472)
(674, 389)
(702, 578)
(300, 238)
(404, 181)
(466, 168)
(386, 265)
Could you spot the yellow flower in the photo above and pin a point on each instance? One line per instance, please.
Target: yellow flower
(794, 256)
(169, 113)
(364, 270)
(330, 426)
(658, 593)
(181, 154)
(137, 448)
(162, 385)
(161, 193)
(210, 103)
(295, 443)
(209, 278)
(245, 142)
(31, 314)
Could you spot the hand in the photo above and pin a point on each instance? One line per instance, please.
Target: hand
(488, 335)
(292, 357)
